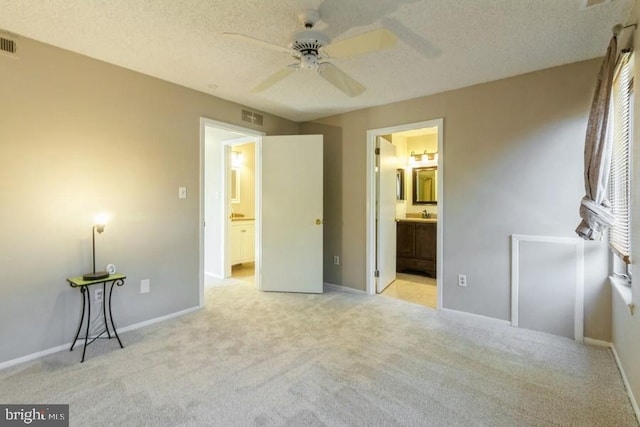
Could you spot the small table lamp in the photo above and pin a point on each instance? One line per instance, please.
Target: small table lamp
(100, 274)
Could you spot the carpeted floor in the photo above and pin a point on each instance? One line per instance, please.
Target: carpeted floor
(253, 358)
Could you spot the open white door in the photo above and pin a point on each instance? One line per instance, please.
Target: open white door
(291, 220)
(386, 214)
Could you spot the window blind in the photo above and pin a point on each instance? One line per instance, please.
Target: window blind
(620, 180)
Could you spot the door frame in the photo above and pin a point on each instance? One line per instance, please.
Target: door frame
(381, 262)
(372, 134)
(222, 190)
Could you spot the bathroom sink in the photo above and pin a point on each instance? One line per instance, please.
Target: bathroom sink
(418, 219)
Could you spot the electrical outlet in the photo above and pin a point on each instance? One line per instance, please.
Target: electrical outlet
(462, 280)
(336, 260)
(145, 286)
(98, 294)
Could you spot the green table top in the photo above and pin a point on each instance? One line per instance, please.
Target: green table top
(79, 281)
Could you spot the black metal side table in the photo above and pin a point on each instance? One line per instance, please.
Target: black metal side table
(116, 279)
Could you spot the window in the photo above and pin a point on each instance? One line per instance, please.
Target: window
(620, 179)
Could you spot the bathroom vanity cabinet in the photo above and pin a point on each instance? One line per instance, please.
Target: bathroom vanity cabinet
(242, 241)
(416, 246)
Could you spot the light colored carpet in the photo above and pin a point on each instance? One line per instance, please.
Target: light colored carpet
(253, 358)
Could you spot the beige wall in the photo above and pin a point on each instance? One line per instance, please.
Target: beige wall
(626, 327)
(77, 137)
(513, 164)
(334, 242)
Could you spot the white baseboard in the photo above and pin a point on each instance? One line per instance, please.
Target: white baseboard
(597, 343)
(341, 288)
(39, 354)
(478, 316)
(159, 319)
(34, 356)
(627, 386)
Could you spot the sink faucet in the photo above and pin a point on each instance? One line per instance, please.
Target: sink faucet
(426, 214)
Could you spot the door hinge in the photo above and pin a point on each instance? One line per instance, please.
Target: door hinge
(377, 273)
(377, 151)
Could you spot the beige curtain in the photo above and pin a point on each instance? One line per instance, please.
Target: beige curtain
(595, 210)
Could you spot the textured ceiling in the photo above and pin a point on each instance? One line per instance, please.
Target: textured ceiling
(443, 44)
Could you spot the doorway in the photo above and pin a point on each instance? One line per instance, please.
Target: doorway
(221, 178)
(240, 263)
(406, 137)
(293, 262)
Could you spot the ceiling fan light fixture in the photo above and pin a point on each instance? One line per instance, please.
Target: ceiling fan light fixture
(314, 50)
(309, 61)
(307, 44)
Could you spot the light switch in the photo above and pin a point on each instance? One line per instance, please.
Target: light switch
(182, 192)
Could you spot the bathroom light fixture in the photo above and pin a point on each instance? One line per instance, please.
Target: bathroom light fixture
(237, 159)
(101, 220)
(422, 158)
(415, 158)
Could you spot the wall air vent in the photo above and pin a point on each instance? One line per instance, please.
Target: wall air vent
(252, 117)
(8, 46)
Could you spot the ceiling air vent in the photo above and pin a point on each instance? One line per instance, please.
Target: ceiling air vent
(252, 117)
(8, 46)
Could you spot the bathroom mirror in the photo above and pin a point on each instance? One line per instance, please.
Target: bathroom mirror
(235, 185)
(425, 186)
(400, 184)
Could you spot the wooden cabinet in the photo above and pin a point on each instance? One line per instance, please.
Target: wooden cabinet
(416, 246)
(243, 240)
(405, 239)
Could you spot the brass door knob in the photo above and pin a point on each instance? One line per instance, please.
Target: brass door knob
(318, 221)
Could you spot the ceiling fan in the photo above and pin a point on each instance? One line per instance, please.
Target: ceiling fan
(313, 50)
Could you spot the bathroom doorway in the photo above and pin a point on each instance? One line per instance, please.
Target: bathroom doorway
(224, 168)
(418, 147)
(277, 158)
(242, 204)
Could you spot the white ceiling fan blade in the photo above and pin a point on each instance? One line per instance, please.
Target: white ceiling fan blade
(262, 43)
(340, 79)
(273, 79)
(364, 43)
